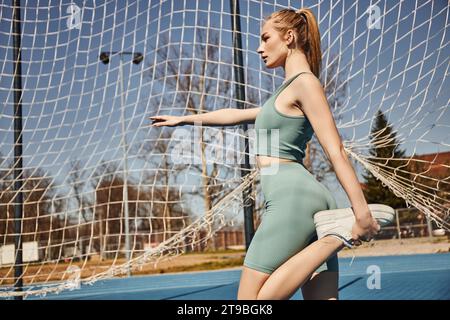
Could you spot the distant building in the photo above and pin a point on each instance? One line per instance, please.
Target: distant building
(434, 165)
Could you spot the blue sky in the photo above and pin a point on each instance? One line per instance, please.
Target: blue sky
(71, 102)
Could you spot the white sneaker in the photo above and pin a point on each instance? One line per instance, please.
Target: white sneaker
(339, 222)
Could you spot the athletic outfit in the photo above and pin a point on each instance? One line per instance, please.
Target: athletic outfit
(292, 195)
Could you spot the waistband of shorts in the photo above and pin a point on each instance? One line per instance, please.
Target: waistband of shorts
(288, 162)
(282, 166)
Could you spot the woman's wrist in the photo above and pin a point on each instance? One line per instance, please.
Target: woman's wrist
(182, 120)
(361, 212)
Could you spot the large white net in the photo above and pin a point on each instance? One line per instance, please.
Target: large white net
(104, 193)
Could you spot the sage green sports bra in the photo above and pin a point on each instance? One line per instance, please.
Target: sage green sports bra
(281, 135)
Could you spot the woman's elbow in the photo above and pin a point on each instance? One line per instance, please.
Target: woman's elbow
(337, 153)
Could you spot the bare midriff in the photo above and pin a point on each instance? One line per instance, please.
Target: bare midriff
(264, 161)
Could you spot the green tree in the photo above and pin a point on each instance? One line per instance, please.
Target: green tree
(385, 151)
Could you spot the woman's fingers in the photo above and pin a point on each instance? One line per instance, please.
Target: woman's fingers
(157, 120)
(356, 239)
(360, 235)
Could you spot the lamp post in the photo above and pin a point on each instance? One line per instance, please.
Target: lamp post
(137, 58)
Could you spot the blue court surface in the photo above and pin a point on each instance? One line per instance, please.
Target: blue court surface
(406, 277)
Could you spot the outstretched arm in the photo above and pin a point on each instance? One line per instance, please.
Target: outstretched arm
(221, 117)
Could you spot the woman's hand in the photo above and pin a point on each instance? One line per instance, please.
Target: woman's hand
(171, 121)
(364, 228)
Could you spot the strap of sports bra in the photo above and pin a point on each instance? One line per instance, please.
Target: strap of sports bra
(292, 78)
(288, 82)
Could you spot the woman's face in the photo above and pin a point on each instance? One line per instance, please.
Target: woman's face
(273, 48)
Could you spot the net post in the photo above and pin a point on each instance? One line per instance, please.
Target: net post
(240, 95)
(18, 165)
(398, 224)
(430, 227)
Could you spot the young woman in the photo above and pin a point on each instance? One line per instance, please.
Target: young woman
(285, 254)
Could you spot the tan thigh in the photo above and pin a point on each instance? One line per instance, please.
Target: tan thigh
(250, 283)
(321, 286)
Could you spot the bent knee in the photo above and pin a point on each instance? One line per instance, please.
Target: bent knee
(251, 283)
(246, 296)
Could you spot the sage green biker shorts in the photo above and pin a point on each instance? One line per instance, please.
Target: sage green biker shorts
(292, 195)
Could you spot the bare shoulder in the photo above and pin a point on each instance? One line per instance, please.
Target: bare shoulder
(307, 85)
(307, 81)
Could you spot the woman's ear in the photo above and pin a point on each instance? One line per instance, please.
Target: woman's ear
(291, 37)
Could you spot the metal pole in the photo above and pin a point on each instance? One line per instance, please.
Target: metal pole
(18, 165)
(398, 225)
(137, 58)
(430, 227)
(240, 95)
(125, 169)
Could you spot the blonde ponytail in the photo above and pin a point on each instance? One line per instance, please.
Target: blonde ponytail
(308, 34)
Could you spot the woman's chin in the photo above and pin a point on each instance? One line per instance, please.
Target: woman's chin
(270, 65)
